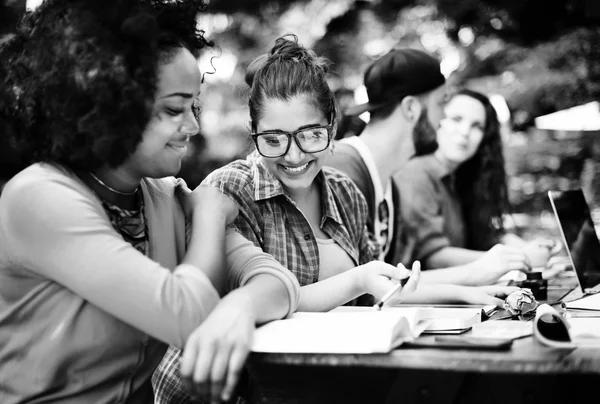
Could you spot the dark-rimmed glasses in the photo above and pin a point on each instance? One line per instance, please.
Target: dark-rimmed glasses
(309, 139)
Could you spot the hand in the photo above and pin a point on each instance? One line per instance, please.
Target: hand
(206, 199)
(539, 251)
(378, 278)
(491, 294)
(497, 261)
(215, 353)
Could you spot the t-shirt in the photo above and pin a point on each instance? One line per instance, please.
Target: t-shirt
(430, 204)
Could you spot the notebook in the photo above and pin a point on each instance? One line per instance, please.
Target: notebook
(340, 332)
(574, 220)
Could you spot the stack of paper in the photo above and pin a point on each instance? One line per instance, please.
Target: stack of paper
(591, 302)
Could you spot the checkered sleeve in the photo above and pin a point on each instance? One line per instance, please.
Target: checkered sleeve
(166, 380)
(235, 181)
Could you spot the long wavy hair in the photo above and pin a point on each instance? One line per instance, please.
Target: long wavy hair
(78, 80)
(481, 181)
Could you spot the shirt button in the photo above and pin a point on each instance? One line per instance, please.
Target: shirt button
(307, 237)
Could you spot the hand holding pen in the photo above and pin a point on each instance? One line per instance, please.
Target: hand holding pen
(413, 278)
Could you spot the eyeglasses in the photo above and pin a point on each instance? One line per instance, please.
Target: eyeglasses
(276, 143)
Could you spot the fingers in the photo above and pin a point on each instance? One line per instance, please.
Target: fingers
(415, 276)
(188, 358)
(394, 273)
(558, 246)
(182, 187)
(236, 364)
(500, 291)
(202, 369)
(218, 372)
(496, 302)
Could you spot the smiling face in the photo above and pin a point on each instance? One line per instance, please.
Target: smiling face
(296, 170)
(166, 137)
(461, 131)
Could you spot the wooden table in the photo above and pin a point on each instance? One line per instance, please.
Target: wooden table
(527, 373)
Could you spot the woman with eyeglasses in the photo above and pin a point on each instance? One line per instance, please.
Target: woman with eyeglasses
(309, 217)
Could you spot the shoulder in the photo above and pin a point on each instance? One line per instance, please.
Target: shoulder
(234, 178)
(45, 196)
(47, 181)
(345, 157)
(417, 170)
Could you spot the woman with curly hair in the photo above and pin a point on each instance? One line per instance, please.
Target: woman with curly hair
(96, 276)
(455, 198)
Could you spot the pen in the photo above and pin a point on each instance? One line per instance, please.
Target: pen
(395, 289)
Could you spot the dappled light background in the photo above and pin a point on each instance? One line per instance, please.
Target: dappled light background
(532, 57)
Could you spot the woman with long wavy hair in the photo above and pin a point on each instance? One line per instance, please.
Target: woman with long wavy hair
(455, 198)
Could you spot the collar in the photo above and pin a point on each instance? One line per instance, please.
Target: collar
(267, 186)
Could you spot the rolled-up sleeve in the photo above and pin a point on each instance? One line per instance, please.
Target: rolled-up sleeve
(245, 261)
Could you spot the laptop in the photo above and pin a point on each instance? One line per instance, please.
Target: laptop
(573, 216)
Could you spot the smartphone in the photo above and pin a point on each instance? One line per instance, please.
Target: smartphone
(468, 342)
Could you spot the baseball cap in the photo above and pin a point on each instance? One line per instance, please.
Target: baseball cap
(395, 75)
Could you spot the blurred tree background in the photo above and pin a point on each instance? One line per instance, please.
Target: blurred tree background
(540, 56)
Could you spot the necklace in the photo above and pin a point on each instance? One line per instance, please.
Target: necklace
(99, 181)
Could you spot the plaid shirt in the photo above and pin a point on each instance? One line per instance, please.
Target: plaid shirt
(270, 219)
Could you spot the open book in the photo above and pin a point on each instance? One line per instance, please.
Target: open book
(451, 320)
(554, 330)
(340, 331)
(441, 319)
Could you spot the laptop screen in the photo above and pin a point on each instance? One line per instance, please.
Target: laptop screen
(575, 222)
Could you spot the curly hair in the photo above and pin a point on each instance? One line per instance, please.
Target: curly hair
(286, 71)
(481, 182)
(79, 78)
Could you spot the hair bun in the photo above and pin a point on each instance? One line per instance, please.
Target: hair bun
(286, 49)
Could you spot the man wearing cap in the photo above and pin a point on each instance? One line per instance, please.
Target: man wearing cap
(406, 90)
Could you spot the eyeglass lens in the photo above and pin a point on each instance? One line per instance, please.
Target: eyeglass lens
(309, 140)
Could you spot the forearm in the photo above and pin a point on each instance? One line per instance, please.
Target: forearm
(206, 248)
(452, 257)
(458, 275)
(435, 294)
(267, 297)
(330, 293)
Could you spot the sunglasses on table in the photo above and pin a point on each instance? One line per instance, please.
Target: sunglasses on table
(309, 139)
